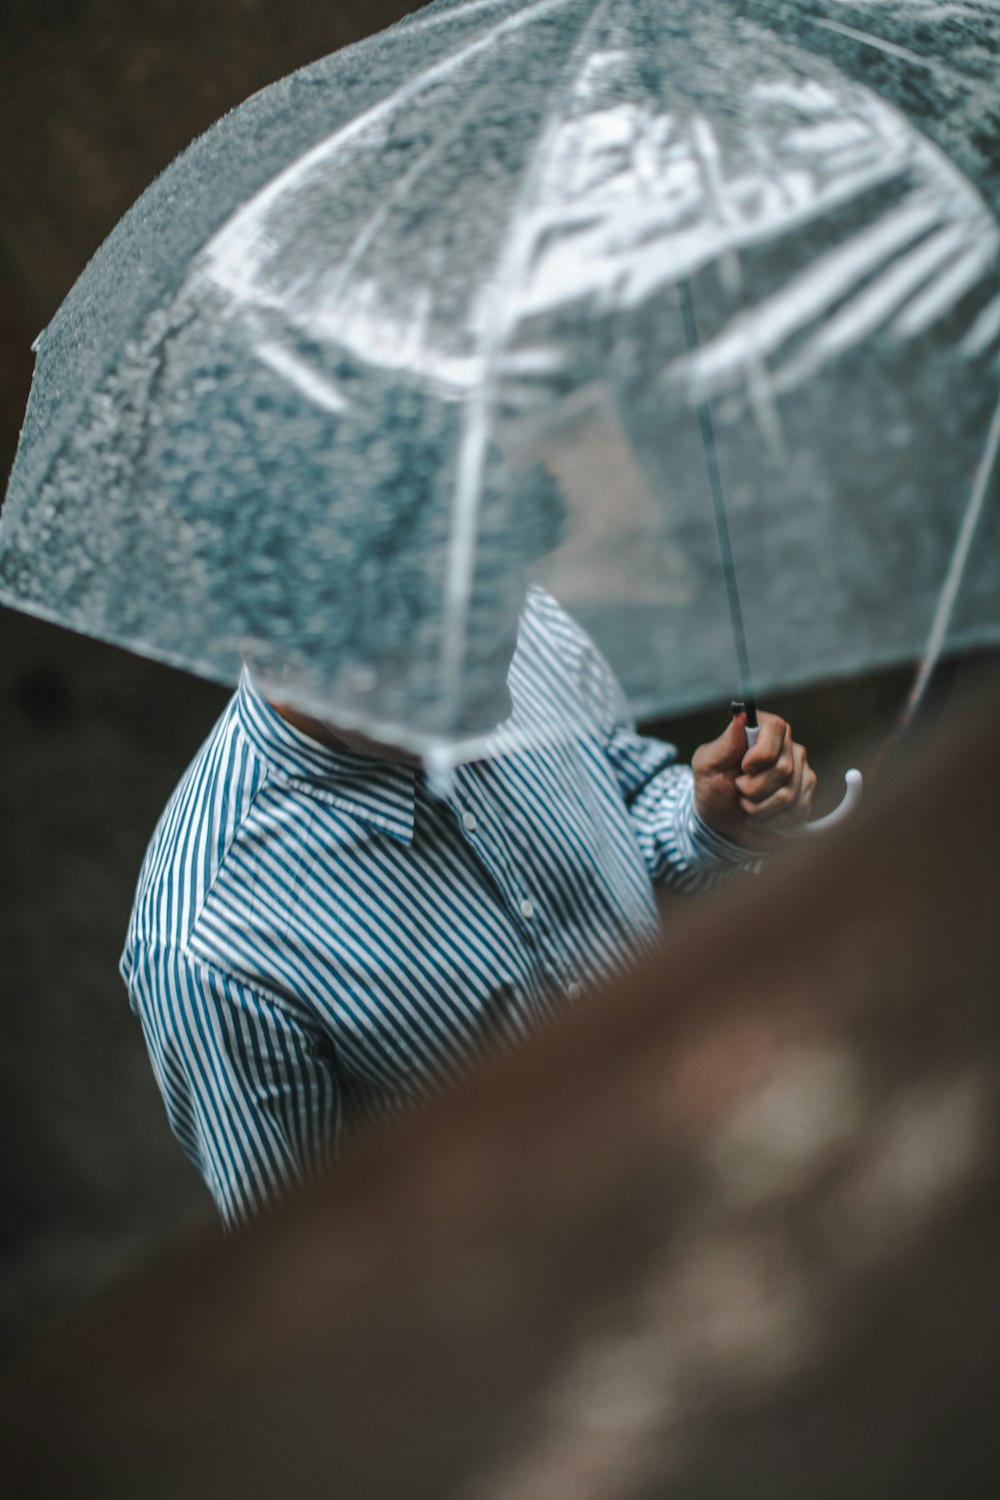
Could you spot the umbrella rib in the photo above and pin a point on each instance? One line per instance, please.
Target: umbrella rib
(444, 18)
(956, 572)
(472, 453)
(804, 299)
(893, 49)
(900, 294)
(402, 187)
(215, 253)
(984, 330)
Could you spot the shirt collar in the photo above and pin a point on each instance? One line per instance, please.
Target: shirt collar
(378, 792)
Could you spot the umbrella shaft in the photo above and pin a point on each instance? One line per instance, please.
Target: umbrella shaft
(707, 429)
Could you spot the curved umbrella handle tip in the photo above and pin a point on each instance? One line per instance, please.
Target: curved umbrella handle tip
(853, 786)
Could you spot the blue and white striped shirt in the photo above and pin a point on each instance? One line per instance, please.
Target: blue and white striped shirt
(318, 940)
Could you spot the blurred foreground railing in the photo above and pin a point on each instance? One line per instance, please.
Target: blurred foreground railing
(731, 1229)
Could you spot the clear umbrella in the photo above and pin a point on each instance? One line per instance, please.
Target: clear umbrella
(522, 292)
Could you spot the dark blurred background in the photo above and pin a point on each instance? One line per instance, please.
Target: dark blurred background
(96, 97)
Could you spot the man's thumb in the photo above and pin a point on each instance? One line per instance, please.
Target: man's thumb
(727, 752)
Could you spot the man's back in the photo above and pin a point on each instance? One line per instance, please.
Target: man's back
(318, 940)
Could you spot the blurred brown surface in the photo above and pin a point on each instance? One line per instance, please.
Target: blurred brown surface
(731, 1229)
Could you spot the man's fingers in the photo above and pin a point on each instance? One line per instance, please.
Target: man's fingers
(724, 754)
(729, 752)
(791, 799)
(748, 793)
(775, 793)
(774, 735)
(767, 775)
(764, 784)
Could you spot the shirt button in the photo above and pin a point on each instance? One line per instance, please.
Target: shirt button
(527, 910)
(470, 822)
(575, 990)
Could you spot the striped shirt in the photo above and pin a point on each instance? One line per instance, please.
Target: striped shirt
(320, 939)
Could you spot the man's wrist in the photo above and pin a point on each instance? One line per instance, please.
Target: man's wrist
(725, 850)
(714, 849)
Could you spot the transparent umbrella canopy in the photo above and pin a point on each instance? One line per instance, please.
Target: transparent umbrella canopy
(520, 293)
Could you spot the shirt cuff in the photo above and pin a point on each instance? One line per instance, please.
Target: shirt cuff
(711, 850)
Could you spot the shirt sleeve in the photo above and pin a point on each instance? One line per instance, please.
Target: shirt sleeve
(679, 849)
(251, 1091)
(681, 852)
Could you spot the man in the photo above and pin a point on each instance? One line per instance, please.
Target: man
(321, 938)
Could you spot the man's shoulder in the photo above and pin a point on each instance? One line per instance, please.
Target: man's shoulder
(554, 646)
(246, 834)
(547, 621)
(207, 813)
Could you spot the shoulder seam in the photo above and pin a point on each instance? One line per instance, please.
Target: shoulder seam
(146, 934)
(197, 915)
(197, 961)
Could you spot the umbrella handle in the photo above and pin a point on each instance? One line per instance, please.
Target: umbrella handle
(853, 784)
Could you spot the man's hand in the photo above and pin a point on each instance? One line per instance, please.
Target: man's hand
(748, 795)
